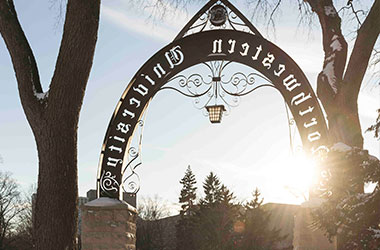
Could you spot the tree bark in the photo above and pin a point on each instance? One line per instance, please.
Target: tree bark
(53, 116)
(337, 88)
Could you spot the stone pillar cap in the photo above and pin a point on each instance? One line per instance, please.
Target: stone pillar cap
(109, 202)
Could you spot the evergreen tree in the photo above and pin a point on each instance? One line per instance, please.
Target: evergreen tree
(185, 227)
(213, 191)
(188, 191)
(226, 196)
(257, 234)
(214, 220)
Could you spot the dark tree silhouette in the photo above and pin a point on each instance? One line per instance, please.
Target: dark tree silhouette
(213, 221)
(188, 191)
(213, 191)
(53, 115)
(10, 208)
(185, 226)
(256, 237)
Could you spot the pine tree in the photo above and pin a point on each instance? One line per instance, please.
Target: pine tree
(213, 191)
(185, 227)
(227, 197)
(188, 191)
(214, 220)
(257, 234)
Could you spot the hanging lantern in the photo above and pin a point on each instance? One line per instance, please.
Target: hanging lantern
(215, 113)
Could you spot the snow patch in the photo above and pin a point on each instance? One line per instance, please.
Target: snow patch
(341, 147)
(40, 96)
(330, 57)
(108, 202)
(328, 71)
(330, 11)
(376, 233)
(335, 44)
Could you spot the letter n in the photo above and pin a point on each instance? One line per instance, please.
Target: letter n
(314, 136)
(217, 46)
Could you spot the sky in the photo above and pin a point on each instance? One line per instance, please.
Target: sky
(249, 149)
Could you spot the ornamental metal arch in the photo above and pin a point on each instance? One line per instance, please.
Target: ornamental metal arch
(217, 32)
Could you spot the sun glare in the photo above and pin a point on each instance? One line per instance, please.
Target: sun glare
(295, 174)
(302, 171)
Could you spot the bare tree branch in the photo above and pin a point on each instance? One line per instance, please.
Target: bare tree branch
(75, 57)
(350, 7)
(363, 48)
(22, 56)
(306, 14)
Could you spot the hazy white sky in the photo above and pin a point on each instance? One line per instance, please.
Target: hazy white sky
(249, 149)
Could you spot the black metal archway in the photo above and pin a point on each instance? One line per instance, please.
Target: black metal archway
(247, 47)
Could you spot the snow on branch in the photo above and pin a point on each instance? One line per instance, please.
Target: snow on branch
(335, 48)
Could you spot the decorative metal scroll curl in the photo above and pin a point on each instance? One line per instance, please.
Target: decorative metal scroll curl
(217, 84)
(130, 178)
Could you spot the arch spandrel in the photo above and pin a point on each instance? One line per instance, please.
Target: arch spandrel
(230, 45)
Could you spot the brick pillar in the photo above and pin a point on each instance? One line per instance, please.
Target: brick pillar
(306, 238)
(108, 224)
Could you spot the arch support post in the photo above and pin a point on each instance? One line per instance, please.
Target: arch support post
(108, 223)
(305, 237)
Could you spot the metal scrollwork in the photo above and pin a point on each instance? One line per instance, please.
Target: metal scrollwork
(131, 180)
(216, 85)
(237, 24)
(108, 182)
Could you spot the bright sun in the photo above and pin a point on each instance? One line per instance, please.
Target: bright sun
(294, 173)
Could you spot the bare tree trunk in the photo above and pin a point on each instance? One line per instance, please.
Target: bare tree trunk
(53, 116)
(337, 88)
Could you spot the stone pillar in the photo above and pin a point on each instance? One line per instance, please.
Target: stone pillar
(108, 224)
(306, 238)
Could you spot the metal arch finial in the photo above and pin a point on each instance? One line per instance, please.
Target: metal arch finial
(218, 14)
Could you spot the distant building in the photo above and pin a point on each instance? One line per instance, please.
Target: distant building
(282, 217)
(91, 195)
(82, 201)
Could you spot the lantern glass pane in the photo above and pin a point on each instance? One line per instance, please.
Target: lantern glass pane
(215, 113)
